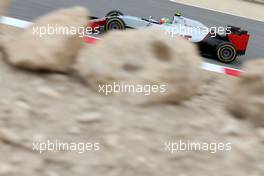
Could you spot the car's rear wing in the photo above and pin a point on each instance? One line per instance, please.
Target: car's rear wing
(239, 38)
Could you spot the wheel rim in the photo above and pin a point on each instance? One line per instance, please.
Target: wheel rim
(115, 26)
(227, 53)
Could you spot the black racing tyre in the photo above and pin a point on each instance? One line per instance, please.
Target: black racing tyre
(113, 24)
(114, 13)
(226, 52)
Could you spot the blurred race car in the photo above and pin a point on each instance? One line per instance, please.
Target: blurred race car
(226, 46)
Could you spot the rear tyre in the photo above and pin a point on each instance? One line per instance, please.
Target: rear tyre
(114, 13)
(226, 52)
(114, 24)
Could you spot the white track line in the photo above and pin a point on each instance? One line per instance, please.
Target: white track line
(221, 69)
(212, 67)
(14, 22)
(205, 8)
(206, 66)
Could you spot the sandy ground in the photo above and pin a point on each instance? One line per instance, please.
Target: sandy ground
(235, 7)
(40, 106)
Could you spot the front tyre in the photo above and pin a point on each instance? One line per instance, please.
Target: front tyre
(226, 52)
(113, 24)
(114, 13)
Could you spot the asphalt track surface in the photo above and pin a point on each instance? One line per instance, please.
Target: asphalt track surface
(31, 9)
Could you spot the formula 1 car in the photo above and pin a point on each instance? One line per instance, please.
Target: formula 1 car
(226, 46)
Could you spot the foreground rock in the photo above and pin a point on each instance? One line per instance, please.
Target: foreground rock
(49, 52)
(51, 107)
(133, 139)
(145, 65)
(3, 6)
(246, 100)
